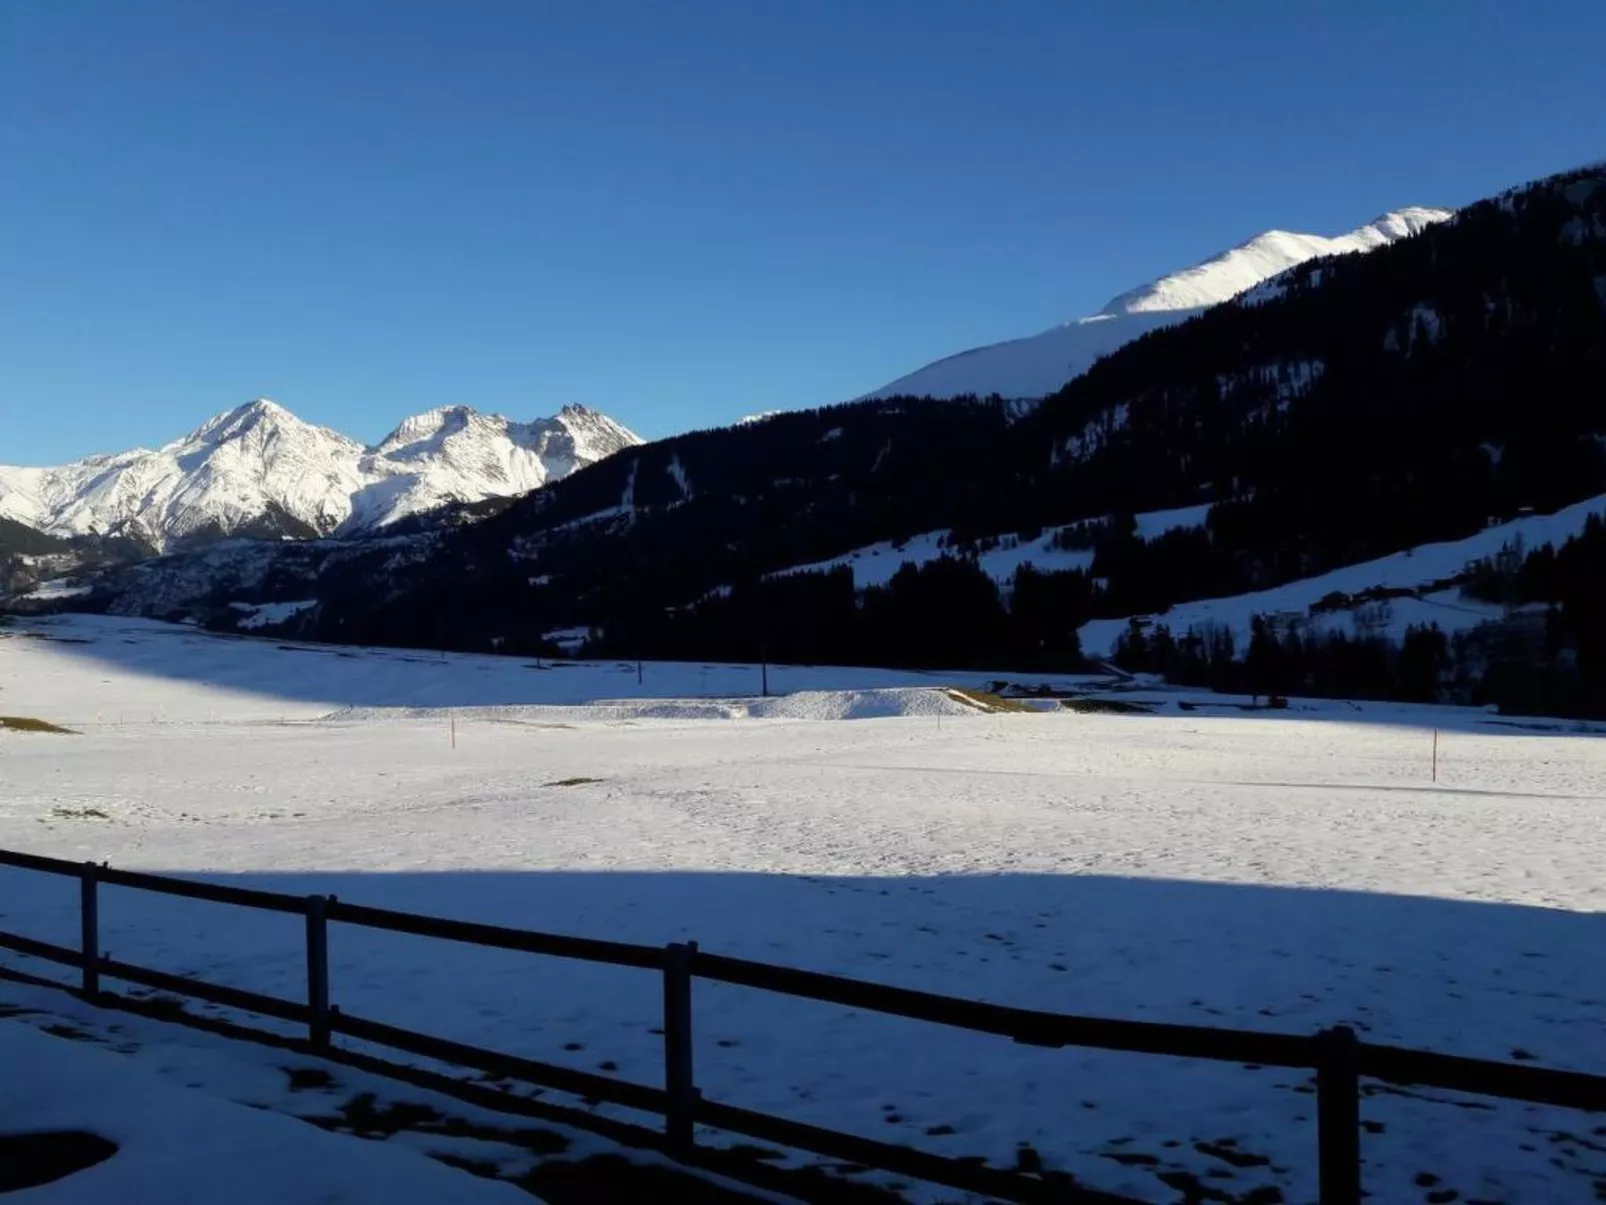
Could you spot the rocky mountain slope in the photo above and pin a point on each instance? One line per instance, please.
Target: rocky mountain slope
(258, 470)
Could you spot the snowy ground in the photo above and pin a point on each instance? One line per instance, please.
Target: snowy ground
(183, 1146)
(1278, 871)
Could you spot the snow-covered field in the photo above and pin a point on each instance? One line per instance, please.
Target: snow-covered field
(1276, 871)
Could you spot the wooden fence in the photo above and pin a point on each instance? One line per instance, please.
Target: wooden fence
(1337, 1057)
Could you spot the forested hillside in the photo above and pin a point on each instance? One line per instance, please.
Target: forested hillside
(1353, 407)
(20, 538)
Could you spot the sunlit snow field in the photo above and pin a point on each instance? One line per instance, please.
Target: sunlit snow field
(1277, 871)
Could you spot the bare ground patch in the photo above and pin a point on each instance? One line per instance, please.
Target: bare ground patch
(25, 723)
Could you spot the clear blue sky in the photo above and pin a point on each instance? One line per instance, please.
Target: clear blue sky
(683, 211)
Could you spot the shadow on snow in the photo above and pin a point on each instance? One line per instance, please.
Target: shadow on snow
(1485, 980)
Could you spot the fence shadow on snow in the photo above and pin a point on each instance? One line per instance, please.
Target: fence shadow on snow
(1235, 992)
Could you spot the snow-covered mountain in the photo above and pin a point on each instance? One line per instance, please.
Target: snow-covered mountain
(456, 454)
(259, 470)
(1038, 365)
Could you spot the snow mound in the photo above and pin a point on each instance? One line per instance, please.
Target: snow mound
(873, 704)
(860, 704)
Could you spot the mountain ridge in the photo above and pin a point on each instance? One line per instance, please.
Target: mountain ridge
(1036, 365)
(258, 469)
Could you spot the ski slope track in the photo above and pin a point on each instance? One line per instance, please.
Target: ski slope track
(1206, 863)
(1038, 365)
(259, 470)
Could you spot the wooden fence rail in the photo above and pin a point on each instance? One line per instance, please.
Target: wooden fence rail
(1337, 1057)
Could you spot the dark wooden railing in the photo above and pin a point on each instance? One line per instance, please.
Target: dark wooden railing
(1337, 1057)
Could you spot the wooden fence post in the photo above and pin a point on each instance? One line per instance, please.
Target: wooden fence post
(678, 1080)
(1338, 1116)
(318, 970)
(89, 928)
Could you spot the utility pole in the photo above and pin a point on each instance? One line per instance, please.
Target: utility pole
(763, 639)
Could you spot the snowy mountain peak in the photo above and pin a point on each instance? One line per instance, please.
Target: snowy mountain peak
(457, 454)
(593, 433)
(1403, 223)
(1230, 273)
(232, 423)
(428, 427)
(258, 469)
(1039, 364)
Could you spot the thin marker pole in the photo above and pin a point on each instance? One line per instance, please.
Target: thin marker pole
(1435, 755)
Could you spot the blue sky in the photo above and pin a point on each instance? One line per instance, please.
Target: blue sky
(685, 211)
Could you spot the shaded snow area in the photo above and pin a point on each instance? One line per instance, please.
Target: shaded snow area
(1206, 864)
(1417, 569)
(183, 1146)
(162, 674)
